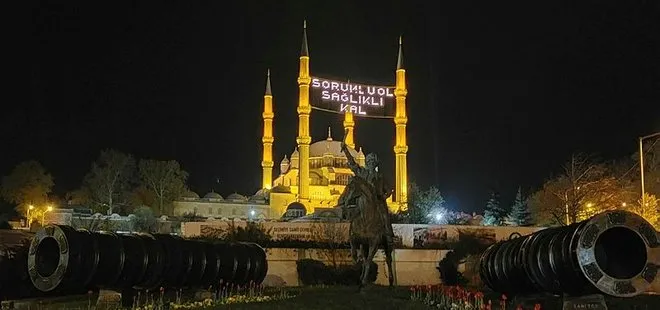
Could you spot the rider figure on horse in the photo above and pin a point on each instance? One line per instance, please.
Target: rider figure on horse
(369, 173)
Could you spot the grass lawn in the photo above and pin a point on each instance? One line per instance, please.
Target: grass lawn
(338, 297)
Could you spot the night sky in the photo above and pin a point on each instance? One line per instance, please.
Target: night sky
(500, 92)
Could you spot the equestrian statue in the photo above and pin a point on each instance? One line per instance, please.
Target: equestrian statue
(363, 203)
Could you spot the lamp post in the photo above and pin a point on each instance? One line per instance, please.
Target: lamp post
(43, 215)
(30, 207)
(641, 161)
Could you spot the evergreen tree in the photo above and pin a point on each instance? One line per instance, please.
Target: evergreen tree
(494, 214)
(520, 214)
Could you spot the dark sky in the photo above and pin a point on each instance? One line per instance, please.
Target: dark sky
(500, 92)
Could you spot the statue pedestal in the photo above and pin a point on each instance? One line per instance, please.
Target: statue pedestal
(546, 301)
(589, 302)
(108, 299)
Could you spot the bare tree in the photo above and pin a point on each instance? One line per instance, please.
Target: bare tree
(584, 188)
(165, 179)
(107, 183)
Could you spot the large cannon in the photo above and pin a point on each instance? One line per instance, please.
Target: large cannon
(609, 253)
(14, 280)
(62, 258)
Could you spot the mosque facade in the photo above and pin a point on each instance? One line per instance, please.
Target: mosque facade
(312, 177)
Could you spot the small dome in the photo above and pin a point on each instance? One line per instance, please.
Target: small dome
(212, 195)
(284, 165)
(236, 196)
(295, 154)
(190, 194)
(296, 206)
(262, 193)
(280, 189)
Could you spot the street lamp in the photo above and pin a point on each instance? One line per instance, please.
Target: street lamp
(641, 160)
(30, 207)
(43, 215)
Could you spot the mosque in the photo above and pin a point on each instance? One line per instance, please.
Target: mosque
(314, 175)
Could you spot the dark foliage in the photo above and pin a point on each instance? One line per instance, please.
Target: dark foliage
(469, 243)
(4, 223)
(313, 272)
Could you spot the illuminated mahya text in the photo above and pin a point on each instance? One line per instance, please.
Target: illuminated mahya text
(354, 98)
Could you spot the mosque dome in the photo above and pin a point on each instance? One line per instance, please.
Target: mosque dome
(260, 195)
(190, 194)
(212, 195)
(328, 146)
(237, 196)
(280, 189)
(262, 192)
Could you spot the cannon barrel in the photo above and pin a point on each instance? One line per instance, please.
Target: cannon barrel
(62, 258)
(608, 253)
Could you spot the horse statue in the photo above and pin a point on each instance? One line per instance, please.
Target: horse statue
(363, 203)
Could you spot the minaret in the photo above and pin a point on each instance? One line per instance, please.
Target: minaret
(401, 146)
(349, 124)
(304, 110)
(267, 139)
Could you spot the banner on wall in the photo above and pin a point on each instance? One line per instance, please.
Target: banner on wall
(405, 235)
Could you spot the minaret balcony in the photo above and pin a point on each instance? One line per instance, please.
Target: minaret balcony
(304, 140)
(400, 149)
(304, 109)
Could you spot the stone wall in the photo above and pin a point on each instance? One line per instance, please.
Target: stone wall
(406, 235)
(411, 266)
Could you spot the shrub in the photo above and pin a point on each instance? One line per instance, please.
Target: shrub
(468, 244)
(314, 272)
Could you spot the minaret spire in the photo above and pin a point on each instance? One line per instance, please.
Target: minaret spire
(304, 50)
(268, 90)
(400, 147)
(399, 59)
(329, 133)
(268, 139)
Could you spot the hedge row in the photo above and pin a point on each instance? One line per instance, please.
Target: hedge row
(314, 272)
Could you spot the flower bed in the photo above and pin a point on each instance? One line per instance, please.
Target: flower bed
(230, 294)
(458, 298)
